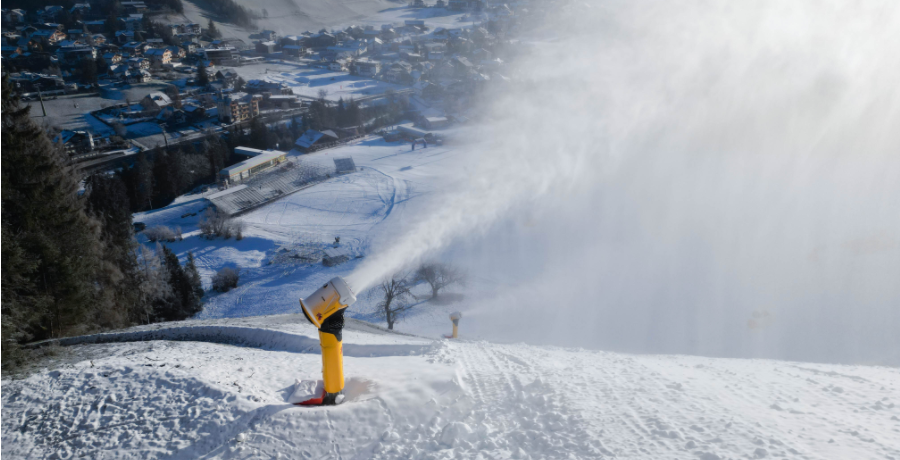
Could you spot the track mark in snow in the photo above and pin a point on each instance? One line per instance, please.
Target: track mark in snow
(493, 415)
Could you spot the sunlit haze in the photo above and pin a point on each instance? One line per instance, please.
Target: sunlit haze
(716, 178)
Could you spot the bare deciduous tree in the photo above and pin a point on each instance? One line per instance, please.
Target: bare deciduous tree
(215, 223)
(160, 233)
(395, 298)
(439, 276)
(322, 93)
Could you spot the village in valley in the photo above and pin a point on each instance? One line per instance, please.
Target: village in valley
(114, 81)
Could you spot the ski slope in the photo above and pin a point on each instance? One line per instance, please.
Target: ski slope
(391, 187)
(292, 17)
(228, 396)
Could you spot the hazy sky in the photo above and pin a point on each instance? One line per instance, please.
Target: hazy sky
(707, 177)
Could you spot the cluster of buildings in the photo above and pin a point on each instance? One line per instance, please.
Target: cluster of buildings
(83, 44)
(56, 49)
(404, 53)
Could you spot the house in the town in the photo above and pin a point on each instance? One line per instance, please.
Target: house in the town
(265, 47)
(155, 101)
(75, 142)
(112, 58)
(158, 55)
(367, 68)
(312, 139)
(237, 106)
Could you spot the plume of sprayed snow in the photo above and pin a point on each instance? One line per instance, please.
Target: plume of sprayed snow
(687, 176)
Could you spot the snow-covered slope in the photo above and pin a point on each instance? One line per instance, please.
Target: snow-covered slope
(291, 17)
(413, 398)
(391, 185)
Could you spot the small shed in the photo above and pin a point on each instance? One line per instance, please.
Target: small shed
(334, 256)
(344, 165)
(435, 122)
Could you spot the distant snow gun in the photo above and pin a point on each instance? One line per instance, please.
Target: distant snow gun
(325, 310)
(420, 141)
(455, 317)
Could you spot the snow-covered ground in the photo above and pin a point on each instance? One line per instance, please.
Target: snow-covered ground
(73, 111)
(307, 81)
(391, 184)
(221, 386)
(413, 398)
(295, 16)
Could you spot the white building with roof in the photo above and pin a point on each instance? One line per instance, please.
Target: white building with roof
(262, 160)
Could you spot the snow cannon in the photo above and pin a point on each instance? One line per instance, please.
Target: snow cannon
(455, 317)
(325, 310)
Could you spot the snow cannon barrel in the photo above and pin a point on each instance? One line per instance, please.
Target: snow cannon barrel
(325, 310)
(455, 317)
(333, 297)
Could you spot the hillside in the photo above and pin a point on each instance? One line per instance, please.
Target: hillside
(363, 208)
(291, 17)
(414, 398)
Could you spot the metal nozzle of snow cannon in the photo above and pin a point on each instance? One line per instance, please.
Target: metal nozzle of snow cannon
(325, 310)
(455, 317)
(334, 296)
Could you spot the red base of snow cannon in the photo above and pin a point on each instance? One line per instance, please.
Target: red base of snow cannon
(327, 399)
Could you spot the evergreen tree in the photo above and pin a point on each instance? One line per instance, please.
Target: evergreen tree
(51, 247)
(211, 29)
(88, 71)
(102, 66)
(214, 158)
(154, 289)
(181, 174)
(169, 176)
(259, 134)
(185, 302)
(108, 202)
(354, 114)
(340, 115)
(142, 180)
(202, 76)
(112, 23)
(305, 124)
(22, 302)
(194, 276)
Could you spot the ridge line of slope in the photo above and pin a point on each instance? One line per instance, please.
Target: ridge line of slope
(265, 339)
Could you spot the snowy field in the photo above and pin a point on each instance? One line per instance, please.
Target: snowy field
(293, 17)
(391, 183)
(308, 82)
(409, 398)
(72, 112)
(221, 385)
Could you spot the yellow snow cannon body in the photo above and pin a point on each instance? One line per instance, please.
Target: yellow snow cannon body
(455, 317)
(325, 310)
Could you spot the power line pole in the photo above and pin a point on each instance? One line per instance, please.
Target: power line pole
(41, 98)
(163, 128)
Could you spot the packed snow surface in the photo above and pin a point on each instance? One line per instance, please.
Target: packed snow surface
(422, 399)
(308, 81)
